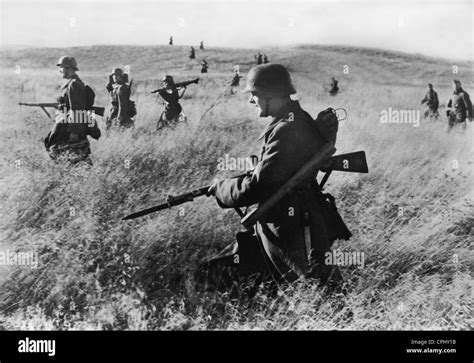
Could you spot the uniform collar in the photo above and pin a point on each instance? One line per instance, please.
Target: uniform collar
(293, 106)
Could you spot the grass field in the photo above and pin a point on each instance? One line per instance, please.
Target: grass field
(411, 216)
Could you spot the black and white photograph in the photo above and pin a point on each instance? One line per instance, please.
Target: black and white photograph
(243, 166)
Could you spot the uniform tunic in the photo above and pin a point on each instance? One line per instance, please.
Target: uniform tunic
(290, 141)
(461, 104)
(118, 112)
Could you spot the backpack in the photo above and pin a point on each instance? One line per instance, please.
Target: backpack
(90, 97)
(327, 124)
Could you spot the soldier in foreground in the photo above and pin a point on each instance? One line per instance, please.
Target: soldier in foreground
(432, 103)
(459, 106)
(75, 121)
(284, 233)
(120, 110)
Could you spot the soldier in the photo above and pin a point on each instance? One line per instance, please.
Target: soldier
(283, 234)
(192, 53)
(201, 45)
(459, 104)
(119, 112)
(171, 40)
(204, 66)
(265, 58)
(68, 138)
(235, 81)
(334, 87)
(171, 97)
(258, 58)
(432, 102)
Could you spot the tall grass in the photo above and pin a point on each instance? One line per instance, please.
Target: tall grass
(98, 272)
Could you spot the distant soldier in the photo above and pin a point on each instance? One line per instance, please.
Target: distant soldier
(334, 88)
(192, 53)
(204, 66)
(171, 41)
(235, 81)
(258, 58)
(171, 97)
(292, 235)
(265, 58)
(119, 112)
(460, 106)
(432, 102)
(75, 121)
(201, 45)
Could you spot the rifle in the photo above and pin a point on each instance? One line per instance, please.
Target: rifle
(177, 85)
(173, 201)
(97, 110)
(352, 162)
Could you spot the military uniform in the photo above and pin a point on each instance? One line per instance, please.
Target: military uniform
(204, 67)
(118, 112)
(282, 232)
(431, 100)
(173, 107)
(461, 106)
(236, 80)
(334, 87)
(69, 139)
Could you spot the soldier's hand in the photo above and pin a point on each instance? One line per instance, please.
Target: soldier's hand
(212, 188)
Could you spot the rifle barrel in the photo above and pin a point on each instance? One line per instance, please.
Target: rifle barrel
(172, 201)
(176, 200)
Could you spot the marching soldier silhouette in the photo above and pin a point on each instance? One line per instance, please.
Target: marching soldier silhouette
(334, 88)
(192, 53)
(171, 41)
(120, 110)
(201, 45)
(432, 103)
(204, 66)
(75, 119)
(235, 81)
(459, 106)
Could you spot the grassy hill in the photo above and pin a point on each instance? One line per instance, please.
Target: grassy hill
(412, 215)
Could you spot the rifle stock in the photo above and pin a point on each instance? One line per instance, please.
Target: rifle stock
(354, 162)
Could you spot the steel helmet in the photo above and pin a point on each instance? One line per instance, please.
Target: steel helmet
(68, 62)
(117, 71)
(269, 80)
(168, 79)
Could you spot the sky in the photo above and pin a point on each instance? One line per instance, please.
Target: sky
(434, 28)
